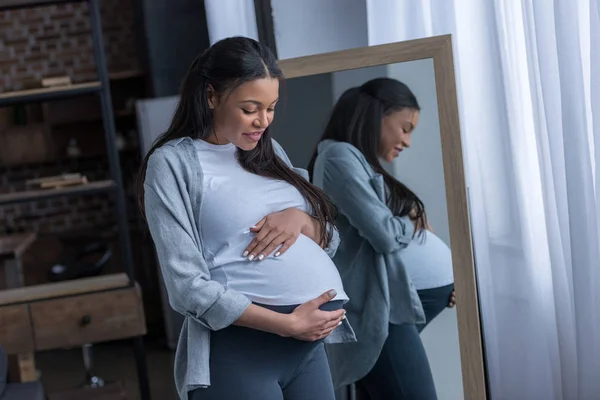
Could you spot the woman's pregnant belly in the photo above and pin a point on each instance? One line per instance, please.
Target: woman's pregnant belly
(428, 263)
(302, 273)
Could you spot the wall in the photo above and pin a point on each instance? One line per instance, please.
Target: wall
(56, 40)
(420, 167)
(316, 26)
(50, 41)
(301, 115)
(344, 80)
(175, 33)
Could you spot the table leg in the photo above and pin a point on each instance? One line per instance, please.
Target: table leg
(22, 366)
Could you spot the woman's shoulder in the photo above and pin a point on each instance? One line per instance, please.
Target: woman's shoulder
(175, 157)
(342, 155)
(332, 149)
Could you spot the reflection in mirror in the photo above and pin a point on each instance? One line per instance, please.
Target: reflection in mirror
(305, 109)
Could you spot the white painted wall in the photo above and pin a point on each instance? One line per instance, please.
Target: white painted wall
(420, 167)
(344, 80)
(305, 27)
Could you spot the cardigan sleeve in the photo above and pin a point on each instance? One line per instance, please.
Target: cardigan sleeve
(334, 243)
(186, 274)
(349, 185)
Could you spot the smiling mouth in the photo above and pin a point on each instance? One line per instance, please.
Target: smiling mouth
(254, 136)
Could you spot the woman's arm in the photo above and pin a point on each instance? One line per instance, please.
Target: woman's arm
(349, 185)
(191, 291)
(307, 322)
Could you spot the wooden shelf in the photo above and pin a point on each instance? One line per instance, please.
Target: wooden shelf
(13, 246)
(44, 94)
(115, 76)
(52, 290)
(39, 194)
(7, 4)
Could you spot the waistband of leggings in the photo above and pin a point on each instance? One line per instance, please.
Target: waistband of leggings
(288, 309)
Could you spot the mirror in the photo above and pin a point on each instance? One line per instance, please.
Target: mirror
(431, 168)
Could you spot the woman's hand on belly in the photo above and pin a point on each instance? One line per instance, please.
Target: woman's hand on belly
(277, 229)
(307, 322)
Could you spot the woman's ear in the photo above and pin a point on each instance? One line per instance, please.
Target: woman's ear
(211, 96)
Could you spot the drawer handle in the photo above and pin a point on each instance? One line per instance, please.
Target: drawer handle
(85, 320)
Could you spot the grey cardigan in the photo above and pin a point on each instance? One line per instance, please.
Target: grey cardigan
(371, 238)
(173, 200)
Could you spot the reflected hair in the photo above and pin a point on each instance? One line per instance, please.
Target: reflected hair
(225, 66)
(357, 119)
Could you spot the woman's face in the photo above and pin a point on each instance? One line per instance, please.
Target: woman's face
(242, 116)
(396, 129)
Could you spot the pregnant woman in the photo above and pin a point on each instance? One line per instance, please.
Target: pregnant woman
(383, 227)
(243, 239)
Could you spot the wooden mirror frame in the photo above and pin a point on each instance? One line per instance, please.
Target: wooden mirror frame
(438, 48)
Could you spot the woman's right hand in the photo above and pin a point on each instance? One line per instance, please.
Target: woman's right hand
(309, 323)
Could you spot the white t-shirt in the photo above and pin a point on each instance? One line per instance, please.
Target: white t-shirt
(428, 262)
(233, 201)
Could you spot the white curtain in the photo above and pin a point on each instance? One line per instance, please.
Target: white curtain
(528, 76)
(226, 18)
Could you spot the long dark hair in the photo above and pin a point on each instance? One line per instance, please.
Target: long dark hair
(357, 119)
(225, 66)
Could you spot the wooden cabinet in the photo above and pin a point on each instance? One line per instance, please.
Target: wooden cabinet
(89, 318)
(16, 335)
(70, 314)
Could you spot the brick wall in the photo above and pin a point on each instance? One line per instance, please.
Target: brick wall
(50, 41)
(66, 214)
(56, 40)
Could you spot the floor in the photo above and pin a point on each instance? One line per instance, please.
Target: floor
(440, 339)
(63, 369)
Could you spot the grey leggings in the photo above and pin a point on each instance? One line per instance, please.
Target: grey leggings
(247, 364)
(402, 371)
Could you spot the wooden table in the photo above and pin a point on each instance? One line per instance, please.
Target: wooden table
(69, 314)
(12, 248)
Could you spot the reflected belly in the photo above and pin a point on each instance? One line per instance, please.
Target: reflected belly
(428, 263)
(304, 272)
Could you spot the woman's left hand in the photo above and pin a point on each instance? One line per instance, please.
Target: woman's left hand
(280, 228)
(452, 300)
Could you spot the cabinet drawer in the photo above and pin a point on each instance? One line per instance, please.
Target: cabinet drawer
(15, 329)
(88, 318)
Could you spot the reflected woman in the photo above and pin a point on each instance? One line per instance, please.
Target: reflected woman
(380, 220)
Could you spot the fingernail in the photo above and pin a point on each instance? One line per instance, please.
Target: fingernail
(251, 257)
(344, 317)
(245, 254)
(260, 257)
(277, 254)
(339, 323)
(246, 231)
(332, 293)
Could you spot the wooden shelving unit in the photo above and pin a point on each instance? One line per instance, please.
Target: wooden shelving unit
(11, 4)
(45, 94)
(40, 194)
(102, 88)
